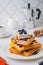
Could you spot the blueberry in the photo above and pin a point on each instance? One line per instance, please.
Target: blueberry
(19, 30)
(35, 52)
(41, 63)
(25, 32)
(22, 31)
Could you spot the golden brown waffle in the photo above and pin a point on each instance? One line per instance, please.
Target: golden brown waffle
(23, 41)
(20, 37)
(20, 48)
(26, 43)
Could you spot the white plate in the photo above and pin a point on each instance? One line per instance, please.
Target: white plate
(14, 56)
(5, 35)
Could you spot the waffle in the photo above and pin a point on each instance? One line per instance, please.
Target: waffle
(26, 43)
(23, 41)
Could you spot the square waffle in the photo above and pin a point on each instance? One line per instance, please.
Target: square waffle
(23, 41)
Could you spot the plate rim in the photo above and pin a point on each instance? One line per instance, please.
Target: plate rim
(18, 56)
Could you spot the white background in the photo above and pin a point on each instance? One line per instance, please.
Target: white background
(13, 9)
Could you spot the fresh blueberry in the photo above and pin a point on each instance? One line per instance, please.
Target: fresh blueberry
(19, 30)
(25, 32)
(35, 52)
(41, 63)
(22, 31)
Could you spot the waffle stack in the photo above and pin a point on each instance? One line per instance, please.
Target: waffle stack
(24, 44)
